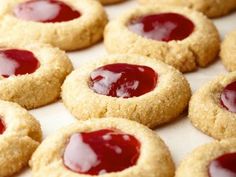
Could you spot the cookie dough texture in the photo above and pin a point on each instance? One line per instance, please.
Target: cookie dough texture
(199, 49)
(165, 103)
(44, 85)
(211, 8)
(196, 163)
(107, 2)
(154, 159)
(228, 51)
(206, 112)
(20, 139)
(71, 35)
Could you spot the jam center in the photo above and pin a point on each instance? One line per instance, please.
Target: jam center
(228, 97)
(101, 152)
(223, 166)
(45, 11)
(2, 126)
(17, 62)
(123, 80)
(162, 27)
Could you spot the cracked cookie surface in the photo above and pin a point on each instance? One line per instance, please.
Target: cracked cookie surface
(41, 87)
(21, 137)
(48, 158)
(208, 114)
(69, 35)
(199, 161)
(164, 103)
(200, 48)
(228, 51)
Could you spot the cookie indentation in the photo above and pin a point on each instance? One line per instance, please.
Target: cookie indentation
(2, 126)
(162, 27)
(223, 166)
(45, 11)
(17, 62)
(100, 152)
(228, 97)
(123, 80)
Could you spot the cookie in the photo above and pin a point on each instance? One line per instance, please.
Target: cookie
(111, 147)
(106, 2)
(20, 134)
(212, 108)
(216, 159)
(228, 51)
(178, 36)
(31, 74)
(211, 8)
(67, 24)
(129, 86)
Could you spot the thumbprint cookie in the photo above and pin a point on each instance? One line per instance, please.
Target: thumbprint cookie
(31, 74)
(110, 147)
(216, 159)
(67, 24)
(180, 37)
(20, 135)
(212, 108)
(130, 86)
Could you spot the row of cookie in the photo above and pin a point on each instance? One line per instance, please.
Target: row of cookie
(93, 147)
(118, 85)
(126, 152)
(178, 36)
(110, 146)
(131, 86)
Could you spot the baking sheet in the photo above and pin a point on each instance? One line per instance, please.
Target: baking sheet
(180, 136)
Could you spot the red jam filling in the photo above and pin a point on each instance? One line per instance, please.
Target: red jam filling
(17, 62)
(223, 166)
(45, 11)
(123, 80)
(162, 27)
(101, 152)
(2, 126)
(228, 97)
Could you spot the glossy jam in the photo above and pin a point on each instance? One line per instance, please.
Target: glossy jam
(123, 80)
(101, 152)
(45, 11)
(2, 126)
(17, 62)
(162, 27)
(223, 166)
(228, 97)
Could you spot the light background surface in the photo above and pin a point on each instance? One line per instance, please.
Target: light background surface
(180, 136)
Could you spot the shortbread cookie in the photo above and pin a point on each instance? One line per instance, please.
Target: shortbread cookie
(228, 51)
(211, 8)
(67, 24)
(216, 159)
(129, 86)
(180, 37)
(20, 134)
(31, 74)
(111, 147)
(110, 1)
(212, 108)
